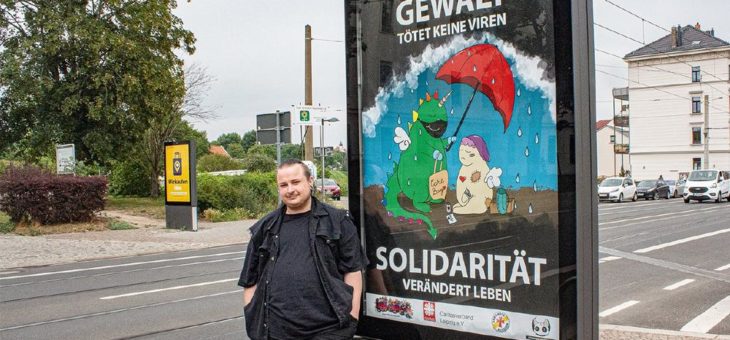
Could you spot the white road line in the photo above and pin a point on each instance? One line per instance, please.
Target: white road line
(118, 265)
(608, 258)
(10, 272)
(655, 216)
(111, 297)
(685, 214)
(704, 322)
(620, 206)
(684, 240)
(719, 269)
(618, 308)
(679, 284)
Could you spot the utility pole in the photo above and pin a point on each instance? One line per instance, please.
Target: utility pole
(706, 160)
(308, 130)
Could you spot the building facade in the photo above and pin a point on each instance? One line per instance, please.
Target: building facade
(679, 95)
(609, 162)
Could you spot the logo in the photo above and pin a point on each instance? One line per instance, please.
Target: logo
(393, 306)
(500, 322)
(304, 115)
(541, 327)
(177, 165)
(429, 311)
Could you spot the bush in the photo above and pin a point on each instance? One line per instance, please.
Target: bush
(253, 192)
(35, 195)
(341, 178)
(258, 163)
(129, 178)
(209, 163)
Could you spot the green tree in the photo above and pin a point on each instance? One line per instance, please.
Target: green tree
(93, 73)
(227, 139)
(213, 162)
(248, 140)
(235, 151)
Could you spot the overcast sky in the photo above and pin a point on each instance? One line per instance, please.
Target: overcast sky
(255, 50)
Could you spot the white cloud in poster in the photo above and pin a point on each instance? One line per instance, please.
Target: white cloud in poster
(527, 68)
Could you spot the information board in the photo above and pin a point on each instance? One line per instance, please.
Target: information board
(177, 173)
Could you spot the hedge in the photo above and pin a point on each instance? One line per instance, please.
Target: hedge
(254, 192)
(31, 194)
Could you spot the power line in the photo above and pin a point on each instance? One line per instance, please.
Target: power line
(638, 16)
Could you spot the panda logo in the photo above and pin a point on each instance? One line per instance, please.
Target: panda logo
(541, 327)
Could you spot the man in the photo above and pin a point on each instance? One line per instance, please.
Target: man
(302, 273)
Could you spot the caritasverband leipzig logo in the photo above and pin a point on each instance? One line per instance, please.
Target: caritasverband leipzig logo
(429, 311)
(500, 322)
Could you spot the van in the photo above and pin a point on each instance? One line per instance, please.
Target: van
(707, 185)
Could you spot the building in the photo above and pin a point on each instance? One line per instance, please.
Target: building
(673, 82)
(610, 161)
(219, 150)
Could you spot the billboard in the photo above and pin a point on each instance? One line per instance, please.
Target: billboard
(177, 173)
(463, 182)
(65, 159)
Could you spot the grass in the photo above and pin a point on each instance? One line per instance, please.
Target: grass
(6, 226)
(115, 224)
(140, 206)
(34, 229)
(237, 214)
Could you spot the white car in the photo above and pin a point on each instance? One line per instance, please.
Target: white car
(617, 189)
(707, 185)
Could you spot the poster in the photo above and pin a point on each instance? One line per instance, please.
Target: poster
(177, 173)
(459, 166)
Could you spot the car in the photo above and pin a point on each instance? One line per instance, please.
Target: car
(617, 189)
(330, 188)
(672, 188)
(707, 185)
(680, 187)
(652, 188)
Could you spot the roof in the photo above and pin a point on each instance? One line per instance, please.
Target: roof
(690, 38)
(602, 124)
(218, 150)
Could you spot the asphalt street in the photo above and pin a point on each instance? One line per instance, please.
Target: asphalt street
(663, 265)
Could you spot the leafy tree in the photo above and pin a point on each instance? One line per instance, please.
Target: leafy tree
(94, 73)
(235, 151)
(214, 162)
(258, 163)
(187, 132)
(227, 139)
(248, 140)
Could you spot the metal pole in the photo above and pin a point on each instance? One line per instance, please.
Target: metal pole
(308, 131)
(614, 133)
(321, 149)
(278, 145)
(706, 161)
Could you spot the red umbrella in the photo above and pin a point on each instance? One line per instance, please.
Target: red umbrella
(484, 68)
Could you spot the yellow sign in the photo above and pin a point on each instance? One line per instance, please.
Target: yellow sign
(177, 173)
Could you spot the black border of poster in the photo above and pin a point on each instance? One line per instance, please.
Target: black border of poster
(578, 231)
(193, 178)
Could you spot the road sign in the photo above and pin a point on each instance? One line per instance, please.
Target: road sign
(328, 150)
(267, 125)
(308, 114)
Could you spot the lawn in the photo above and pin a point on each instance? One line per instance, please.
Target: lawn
(140, 206)
(5, 225)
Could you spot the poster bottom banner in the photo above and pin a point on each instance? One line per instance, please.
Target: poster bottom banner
(485, 321)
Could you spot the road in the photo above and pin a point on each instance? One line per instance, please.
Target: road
(664, 265)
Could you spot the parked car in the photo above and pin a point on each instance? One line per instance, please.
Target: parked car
(707, 185)
(652, 188)
(680, 187)
(330, 188)
(617, 189)
(672, 187)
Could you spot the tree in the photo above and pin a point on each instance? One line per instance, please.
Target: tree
(248, 140)
(93, 73)
(235, 150)
(227, 139)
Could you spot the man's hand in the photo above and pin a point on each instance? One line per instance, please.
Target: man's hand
(248, 294)
(354, 279)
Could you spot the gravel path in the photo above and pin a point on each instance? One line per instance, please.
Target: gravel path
(150, 237)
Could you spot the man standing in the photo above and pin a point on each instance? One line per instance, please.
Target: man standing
(302, 273)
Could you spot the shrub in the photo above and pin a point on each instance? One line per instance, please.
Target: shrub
(258, 163)
(129, 178)
(214, 162)
(35, 195)
(253, 192)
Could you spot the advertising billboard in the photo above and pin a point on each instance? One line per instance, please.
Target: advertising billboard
(463, 185)
(177, 173)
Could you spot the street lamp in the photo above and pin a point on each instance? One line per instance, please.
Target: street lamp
(321, 147)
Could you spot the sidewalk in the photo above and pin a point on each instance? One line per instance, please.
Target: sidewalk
(151, 236)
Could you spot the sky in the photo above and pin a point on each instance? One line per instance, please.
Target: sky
(255, 52)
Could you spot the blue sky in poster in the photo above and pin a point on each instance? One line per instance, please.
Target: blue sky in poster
(526, 151)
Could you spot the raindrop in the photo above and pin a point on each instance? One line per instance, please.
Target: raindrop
(519, 132)
(426, 84)
(390, 155)
(529, 109)
(517, 179)
(415, 158)
(475, 68)
(527, 152)
(398, 119)
(529, 209)
(537, 139)
(468, 53)
(493, 81)
(420, 132)
(409, 182)
(412, 91)
(534, 185)
(515, 204)
(519, 93)
(452, 111)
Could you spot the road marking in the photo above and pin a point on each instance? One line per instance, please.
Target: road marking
(632, 205)
(684, 212)
(680, 241)
(679, 284)
(608, 258)
(618, 308)
(719, 269)
(85, 316)
(118, 265)
(704, 322)
(166, 289)
(10, 272)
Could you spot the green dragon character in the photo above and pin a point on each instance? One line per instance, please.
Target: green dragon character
(423, 152)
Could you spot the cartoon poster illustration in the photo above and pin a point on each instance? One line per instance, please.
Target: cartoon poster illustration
(460, 175)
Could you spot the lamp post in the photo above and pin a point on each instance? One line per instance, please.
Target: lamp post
(321, 148)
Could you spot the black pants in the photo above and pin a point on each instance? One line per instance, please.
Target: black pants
(347, 332)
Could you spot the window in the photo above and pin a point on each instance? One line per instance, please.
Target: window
(696, 135)
(696, 76)
(696, 105)
(696, 163)
(386, 17)
(386, 71)
(613, 139)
